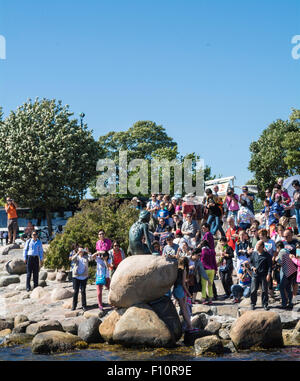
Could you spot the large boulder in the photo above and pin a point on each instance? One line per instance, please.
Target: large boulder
(208, 345)
(60, 293)
(88, 330)
(141, 279)
(54, 341)
(9, 279)
(166, 311)
(107, 327)
(16, 266)
(140, 326)
(43, 326)
(257, 328)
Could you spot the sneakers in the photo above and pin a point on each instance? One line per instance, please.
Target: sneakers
(266, 308)
(236, 300)
(252, 307)
(84, 309)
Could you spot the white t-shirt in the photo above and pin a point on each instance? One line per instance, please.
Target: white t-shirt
(270, 247)
(101, 267)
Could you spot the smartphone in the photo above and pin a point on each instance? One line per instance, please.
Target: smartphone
(298, 253)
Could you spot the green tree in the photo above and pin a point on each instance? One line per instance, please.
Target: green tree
(270, 154)
(47, 159)
(291, 144)
(106, 213)
(144, 140)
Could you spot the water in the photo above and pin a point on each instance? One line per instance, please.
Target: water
(104, 352)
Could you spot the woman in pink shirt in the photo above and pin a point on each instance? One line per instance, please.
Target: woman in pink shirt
(103, 244)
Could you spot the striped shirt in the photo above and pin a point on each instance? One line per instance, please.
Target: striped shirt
(287, 266)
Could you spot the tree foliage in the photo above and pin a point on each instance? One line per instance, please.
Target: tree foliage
(144, 140)
(107, 213)
(275, 153)
(46, 158)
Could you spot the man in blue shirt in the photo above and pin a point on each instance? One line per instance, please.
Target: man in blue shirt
(33, 252)
(276, 211)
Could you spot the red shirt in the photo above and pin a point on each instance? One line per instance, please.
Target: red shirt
(117, 258)
(231, 241)
(187, 209)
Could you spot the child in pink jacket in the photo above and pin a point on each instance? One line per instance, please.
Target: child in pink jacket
(297, 263)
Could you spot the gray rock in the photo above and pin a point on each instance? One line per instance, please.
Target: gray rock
(20, 319)
(54, 341)
(230, 347)
(199, 321)
(224, 334)
(208, 345)
(6, 324)
(21, 328)
(6, 280)
(43, 275)
(8, 248)
(257, 328)
(16, 339)
(16, 267)
(230, 310)
(61, 276)
(88, 330)
(70, 325)
(43, 326)
(191, 337)
(141, 279)
(166, 311)
(42, 283)
(201, 308)
(140, 326)
(289, 320)
(21, 287)
(213, 327)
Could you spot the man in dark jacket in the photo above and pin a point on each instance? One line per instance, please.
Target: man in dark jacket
(261, 266)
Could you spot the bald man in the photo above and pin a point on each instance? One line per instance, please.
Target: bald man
(261, 266)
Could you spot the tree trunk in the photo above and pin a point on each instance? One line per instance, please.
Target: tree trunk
(49, 222)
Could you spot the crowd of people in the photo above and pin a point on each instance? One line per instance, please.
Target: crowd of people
(213, 237)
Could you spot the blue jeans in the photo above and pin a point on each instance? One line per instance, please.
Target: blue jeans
(285, 287)
(233, 213)
(239, 291)
(297, 213)
(215, 225)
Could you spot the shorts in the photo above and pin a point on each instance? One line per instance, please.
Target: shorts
(178, 292)
(12, 224)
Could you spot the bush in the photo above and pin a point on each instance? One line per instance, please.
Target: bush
(107, 213)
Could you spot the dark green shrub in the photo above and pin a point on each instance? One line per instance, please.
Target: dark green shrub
(107, 213)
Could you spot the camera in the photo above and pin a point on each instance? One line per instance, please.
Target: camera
(229, 193)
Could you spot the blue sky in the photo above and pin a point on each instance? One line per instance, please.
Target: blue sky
(213, 73)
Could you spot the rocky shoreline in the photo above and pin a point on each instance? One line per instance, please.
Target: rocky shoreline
(43, 319)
